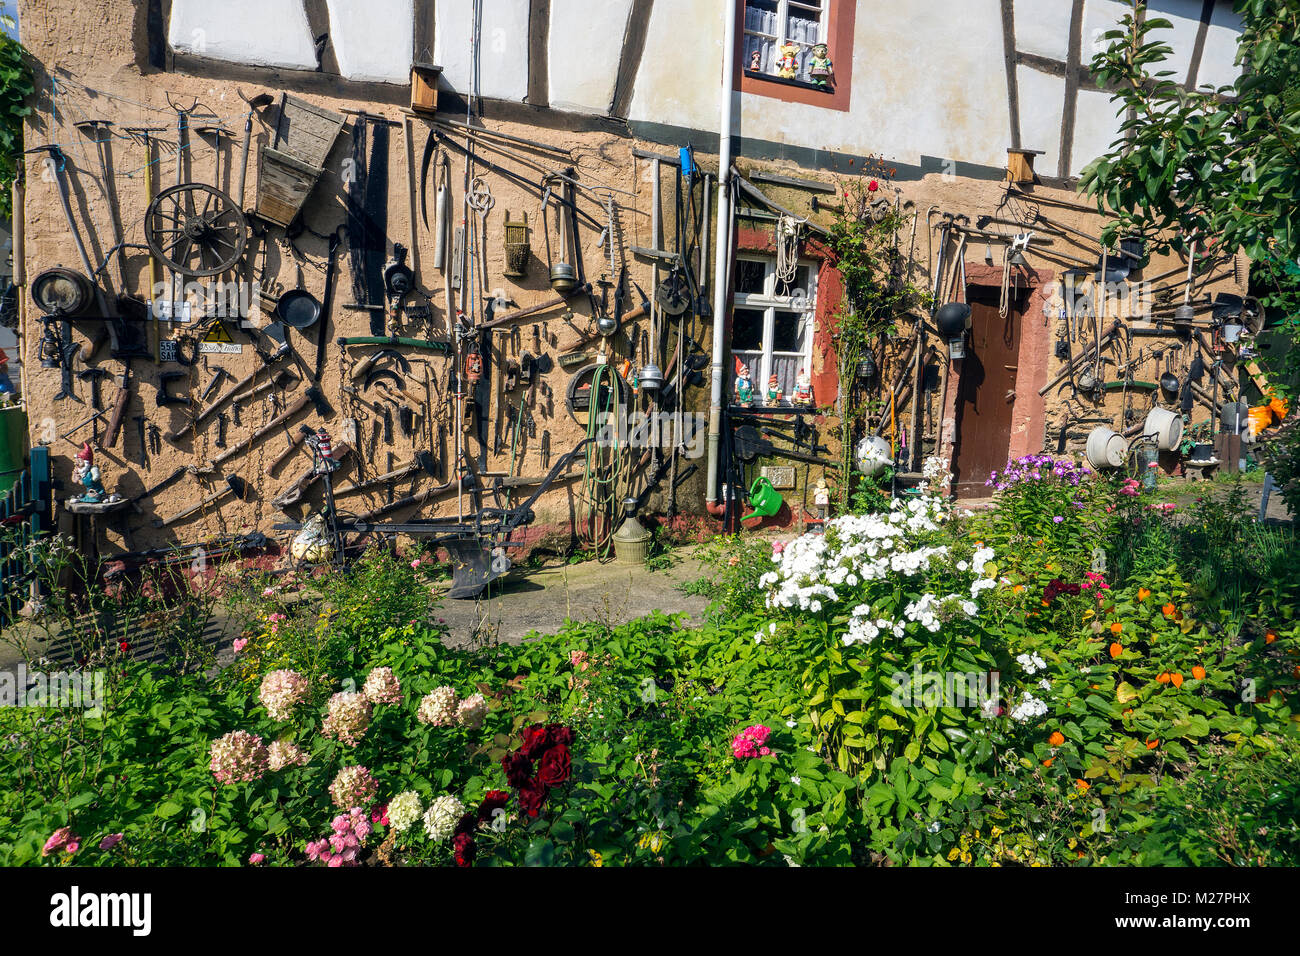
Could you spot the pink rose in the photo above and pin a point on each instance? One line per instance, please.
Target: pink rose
(240, 644)
(256, 858)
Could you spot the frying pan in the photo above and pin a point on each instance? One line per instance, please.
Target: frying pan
(298, 308)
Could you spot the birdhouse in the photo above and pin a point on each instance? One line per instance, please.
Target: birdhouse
(1020, 165)
(424, 87)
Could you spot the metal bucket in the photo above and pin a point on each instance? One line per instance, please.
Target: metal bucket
(1166, 426)
(1106, 448)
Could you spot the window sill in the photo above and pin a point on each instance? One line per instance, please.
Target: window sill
(782, 81)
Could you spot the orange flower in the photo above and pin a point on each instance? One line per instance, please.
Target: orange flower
(1162, 677)
(1116, 628)
(1083, 784)
(1152, 744)
(1198, 672)
(1129, 712)
(1143, 593)
(1116, 649)
(1048, 761)
(1295, 671)
(1169, 610)
(1056, 739)
(1176, 679)
(1017, 589)
(1270, 637)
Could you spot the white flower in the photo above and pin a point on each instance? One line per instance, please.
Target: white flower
(1028, 708)
(471, 711)
(1032, 663)
(440, 819)
(403, 810)
(796, 780)
(438, 707)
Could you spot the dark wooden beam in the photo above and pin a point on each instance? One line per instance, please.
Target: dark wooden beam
(1198, 49)
(629, 61)
(1069, 109)
(1009, 58)
(539, 53)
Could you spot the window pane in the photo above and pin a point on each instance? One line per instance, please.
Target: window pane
(799, 284)
(761, 15)
(765, 47)
(803, 26)
(750, 276)
(787, 332)
(747, 330)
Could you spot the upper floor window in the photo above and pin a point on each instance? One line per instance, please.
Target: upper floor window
(799, 51)
(772, 25)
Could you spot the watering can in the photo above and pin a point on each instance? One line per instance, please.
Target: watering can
(764, 499)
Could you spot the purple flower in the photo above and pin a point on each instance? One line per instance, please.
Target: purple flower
(1057, 519)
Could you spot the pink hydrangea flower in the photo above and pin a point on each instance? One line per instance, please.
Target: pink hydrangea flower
(280, 691)
(353, 787)
(382, 687)
(238, 757)
(240, 644)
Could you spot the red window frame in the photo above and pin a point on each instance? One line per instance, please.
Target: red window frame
(840, 18)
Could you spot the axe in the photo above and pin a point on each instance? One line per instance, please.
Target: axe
(234, 485)
(294, 444)
(293, 494)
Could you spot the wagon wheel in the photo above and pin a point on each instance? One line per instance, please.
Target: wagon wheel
(195, 229)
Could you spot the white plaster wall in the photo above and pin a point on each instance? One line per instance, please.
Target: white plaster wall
(373, 40)
(253, 32)
(1217, 67)
(1185, 15)
(1096, 126)
(586, 38)
(680, 79)
(1043, 28)
(503, 62)
(1042, 101)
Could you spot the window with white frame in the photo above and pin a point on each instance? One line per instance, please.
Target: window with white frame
(772, 322)
(769, 24)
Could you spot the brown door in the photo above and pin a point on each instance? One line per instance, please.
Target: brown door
(986, 394)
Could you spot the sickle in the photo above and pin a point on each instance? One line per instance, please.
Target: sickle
(430, 145)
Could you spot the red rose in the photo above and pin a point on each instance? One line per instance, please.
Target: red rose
(463, 846)
(493, 801)
(555, 766)
(872, 186)
(532, 795)
(535, 740)
(518, 768)
(560, 734)
(468, 823)
(123, 646)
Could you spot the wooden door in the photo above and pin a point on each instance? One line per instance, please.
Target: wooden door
(986, 395)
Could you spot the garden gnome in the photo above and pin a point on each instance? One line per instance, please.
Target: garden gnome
(819, 66)
(803, 394)
(774, 395)
(744, 387)
(7, 389)
(756, 61)
(86, 473)
(787, 65)
(822, 498)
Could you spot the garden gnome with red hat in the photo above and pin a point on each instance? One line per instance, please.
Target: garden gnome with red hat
(86, 473)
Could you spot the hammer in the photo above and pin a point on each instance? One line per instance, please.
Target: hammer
(234, 484)
(313, 395)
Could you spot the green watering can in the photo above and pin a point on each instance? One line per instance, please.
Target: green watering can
(764, 499)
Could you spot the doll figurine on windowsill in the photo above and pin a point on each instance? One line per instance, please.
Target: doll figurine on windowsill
(787, 64)
(756, 62)
(820, 69)
(774, 393)
(744, 387)
(803, 393)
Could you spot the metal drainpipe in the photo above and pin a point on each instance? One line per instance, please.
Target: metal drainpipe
(721, 252)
